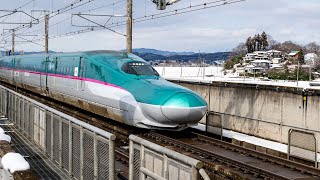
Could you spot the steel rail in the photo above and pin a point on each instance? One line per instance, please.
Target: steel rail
(82, 116)
(273, 159)
(209, 157)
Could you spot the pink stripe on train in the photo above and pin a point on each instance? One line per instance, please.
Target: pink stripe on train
(67, 77)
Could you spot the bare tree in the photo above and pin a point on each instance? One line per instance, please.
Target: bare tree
(241, 49)
(316, 64)
(271, 42)
(313, 47)
(288, 46)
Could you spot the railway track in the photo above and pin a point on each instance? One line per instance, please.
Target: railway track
(121, 131)
(221, 159)
(232, 161)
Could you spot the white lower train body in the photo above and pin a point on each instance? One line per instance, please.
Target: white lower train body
(116, 103)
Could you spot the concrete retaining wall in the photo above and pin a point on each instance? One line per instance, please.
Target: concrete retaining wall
(264, 111)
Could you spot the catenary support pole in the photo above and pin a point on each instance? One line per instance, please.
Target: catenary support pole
(129, 26)
(13, 36)
(46, 34)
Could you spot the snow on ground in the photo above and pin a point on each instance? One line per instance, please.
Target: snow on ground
(215, 74)
(190, 72)
(14, 162)
(1, 131)
(4, 137)
(255, 140)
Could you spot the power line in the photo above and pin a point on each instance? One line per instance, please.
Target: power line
(181, 9)
(25, 4)
(184, 11)
(191, 8)
(58, 11)
(155, 16)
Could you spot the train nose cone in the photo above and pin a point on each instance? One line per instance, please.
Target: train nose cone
(184, 107)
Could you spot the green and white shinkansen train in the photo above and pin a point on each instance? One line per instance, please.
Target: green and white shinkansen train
(116, 85)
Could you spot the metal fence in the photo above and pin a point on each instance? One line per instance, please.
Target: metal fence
(302, 144)
(3, 104)
(152, 161)
(84, 151)
(214, 123)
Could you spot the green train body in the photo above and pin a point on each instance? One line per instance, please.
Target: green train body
(117, 85)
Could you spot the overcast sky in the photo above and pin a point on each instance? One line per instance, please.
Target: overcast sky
(209, 30)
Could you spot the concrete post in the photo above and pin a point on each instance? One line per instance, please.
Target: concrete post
(129, 26)
(70, 148)
(13, 39)
(204, 175)
(111, 159)
(95, 156)
(81, 153)
(130, 160)
(46, 34)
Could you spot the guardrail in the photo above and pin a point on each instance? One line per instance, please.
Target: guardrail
(214, 123)
(3, 104)
(152, 161)
(83, 150)
(303, 144)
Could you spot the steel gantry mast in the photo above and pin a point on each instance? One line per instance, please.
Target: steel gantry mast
(161, 4)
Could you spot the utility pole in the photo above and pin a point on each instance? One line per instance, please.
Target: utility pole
(129, 26)
(46, 34)
(298, 73)
(13, 34)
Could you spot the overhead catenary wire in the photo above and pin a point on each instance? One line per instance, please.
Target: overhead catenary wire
(183, 10)
(151, 17)
(60, 11)
(64, 10)
(29, 2)
(57, 12)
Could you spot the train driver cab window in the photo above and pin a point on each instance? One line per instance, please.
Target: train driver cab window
(139, 68)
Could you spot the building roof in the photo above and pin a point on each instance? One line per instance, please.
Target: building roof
(293, 53)
(259, 61)
(273, 51)
(256, 52)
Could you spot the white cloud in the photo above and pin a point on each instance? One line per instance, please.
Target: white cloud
(216, 29)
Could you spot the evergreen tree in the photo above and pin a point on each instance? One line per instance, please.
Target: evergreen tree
(248, 45)
(264, 39)
(259, 42)
(301, 56)
(254, 43)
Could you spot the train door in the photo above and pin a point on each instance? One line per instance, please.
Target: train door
(13, 68)
(81, 82)
(14, 71)
(55, 70)
(44, 74)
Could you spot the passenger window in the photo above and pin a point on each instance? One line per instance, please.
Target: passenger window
(139, 68)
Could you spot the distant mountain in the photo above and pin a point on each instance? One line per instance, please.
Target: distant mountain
(37, 52)
(207, 57)
(159, 52)
(158, 55)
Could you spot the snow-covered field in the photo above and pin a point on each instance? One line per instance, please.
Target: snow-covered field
(215, 74)
(190, 72)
